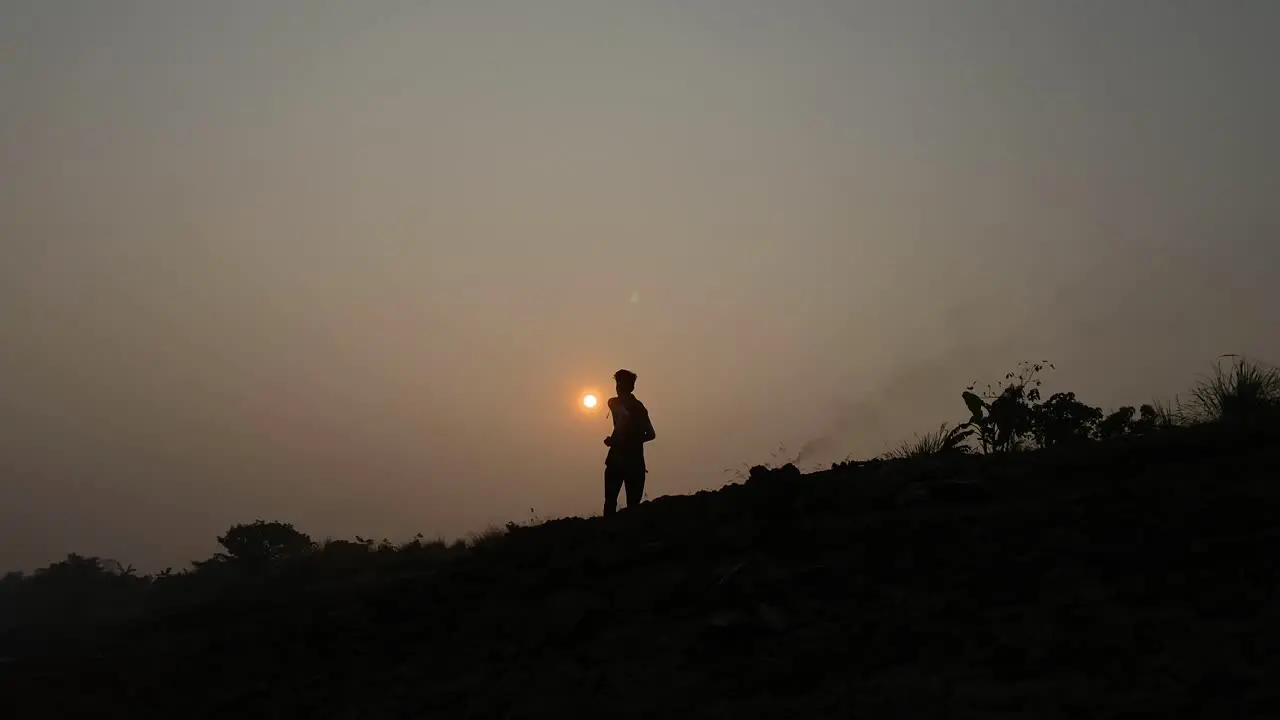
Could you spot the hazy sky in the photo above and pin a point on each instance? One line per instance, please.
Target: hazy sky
(349, 264)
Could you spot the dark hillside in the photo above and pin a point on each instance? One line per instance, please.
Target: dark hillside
(1120, 579)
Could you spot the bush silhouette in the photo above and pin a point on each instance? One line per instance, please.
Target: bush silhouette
(1011, 416)
(934, 443)
(1245, 392)
(1001, 418)
(261, 544)
(1118, 424)
(1063, 419)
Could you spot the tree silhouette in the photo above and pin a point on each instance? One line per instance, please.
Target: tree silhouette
(1117, 424)
(1064, 419)
(260, 544)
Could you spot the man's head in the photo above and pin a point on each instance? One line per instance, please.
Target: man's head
(626, 381)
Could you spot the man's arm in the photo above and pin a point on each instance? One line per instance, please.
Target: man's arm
(613, 409)
(646, 431)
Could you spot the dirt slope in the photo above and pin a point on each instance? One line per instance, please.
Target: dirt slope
(1120, 580)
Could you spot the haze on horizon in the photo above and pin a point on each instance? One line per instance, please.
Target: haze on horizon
(348, 265)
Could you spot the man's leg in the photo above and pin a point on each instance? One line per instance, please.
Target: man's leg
(635, 487)
(613, 480)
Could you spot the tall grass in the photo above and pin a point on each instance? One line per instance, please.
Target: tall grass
(1242, 391)
(1170, 414)
(931, 443)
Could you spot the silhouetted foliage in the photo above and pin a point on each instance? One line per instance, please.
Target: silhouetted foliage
(261, 544)
(1126, 422)
(1245, 392)
(1063, 419)
(1117, 424)
(1002, 417)
(934, 443)
(1011, 416)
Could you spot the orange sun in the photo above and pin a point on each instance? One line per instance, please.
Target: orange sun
(589, 401)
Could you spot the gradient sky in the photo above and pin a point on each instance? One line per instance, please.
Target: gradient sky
(349, 264)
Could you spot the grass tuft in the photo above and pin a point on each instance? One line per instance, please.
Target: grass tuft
(1241, 392)
(941, 440)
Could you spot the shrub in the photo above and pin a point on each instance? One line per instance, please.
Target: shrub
(932, 443)
(1001, 419)
(1063, 419)
(1243, 392)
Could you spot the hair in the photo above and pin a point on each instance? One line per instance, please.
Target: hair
(626, 379)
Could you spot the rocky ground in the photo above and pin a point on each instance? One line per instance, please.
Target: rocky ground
(1129, 579)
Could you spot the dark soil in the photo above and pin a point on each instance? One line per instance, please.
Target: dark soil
(1129, 579)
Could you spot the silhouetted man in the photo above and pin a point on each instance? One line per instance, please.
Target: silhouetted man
(624, 466)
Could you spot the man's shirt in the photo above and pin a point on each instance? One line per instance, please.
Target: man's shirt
(631, 428)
